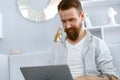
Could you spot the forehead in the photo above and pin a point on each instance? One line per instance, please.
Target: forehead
(69, 13)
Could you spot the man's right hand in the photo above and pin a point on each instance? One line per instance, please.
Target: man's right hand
(89, 78)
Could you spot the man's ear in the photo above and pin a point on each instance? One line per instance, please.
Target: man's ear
(82, 16)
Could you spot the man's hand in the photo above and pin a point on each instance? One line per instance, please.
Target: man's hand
(88, 78)
(95, 78)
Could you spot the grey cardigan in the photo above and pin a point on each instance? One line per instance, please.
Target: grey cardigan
(95, 56)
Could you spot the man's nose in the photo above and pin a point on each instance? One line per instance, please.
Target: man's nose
(68, 24)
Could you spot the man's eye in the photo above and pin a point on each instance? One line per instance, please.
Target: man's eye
(71, 20)
(63, 21)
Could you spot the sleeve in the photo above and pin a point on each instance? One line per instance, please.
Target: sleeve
(105, 60)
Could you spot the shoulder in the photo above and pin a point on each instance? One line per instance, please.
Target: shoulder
(96, 42)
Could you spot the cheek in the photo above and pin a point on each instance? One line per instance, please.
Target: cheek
(64, 25)
(75, 23)
(78, 24)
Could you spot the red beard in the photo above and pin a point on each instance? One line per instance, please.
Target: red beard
(72, 33)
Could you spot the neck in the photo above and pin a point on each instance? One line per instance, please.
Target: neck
(80, 37)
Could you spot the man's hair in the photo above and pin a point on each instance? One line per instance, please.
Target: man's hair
(67, 4)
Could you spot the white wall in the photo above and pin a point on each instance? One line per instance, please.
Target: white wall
(20, 33)
(0, 25)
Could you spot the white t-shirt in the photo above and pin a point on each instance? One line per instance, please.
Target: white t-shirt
(74, 58)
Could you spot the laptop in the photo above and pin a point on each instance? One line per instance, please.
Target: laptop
(51, 72)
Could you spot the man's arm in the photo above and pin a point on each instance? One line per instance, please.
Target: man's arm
(104, 77)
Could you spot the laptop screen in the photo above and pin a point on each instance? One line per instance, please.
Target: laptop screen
(51, 72)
